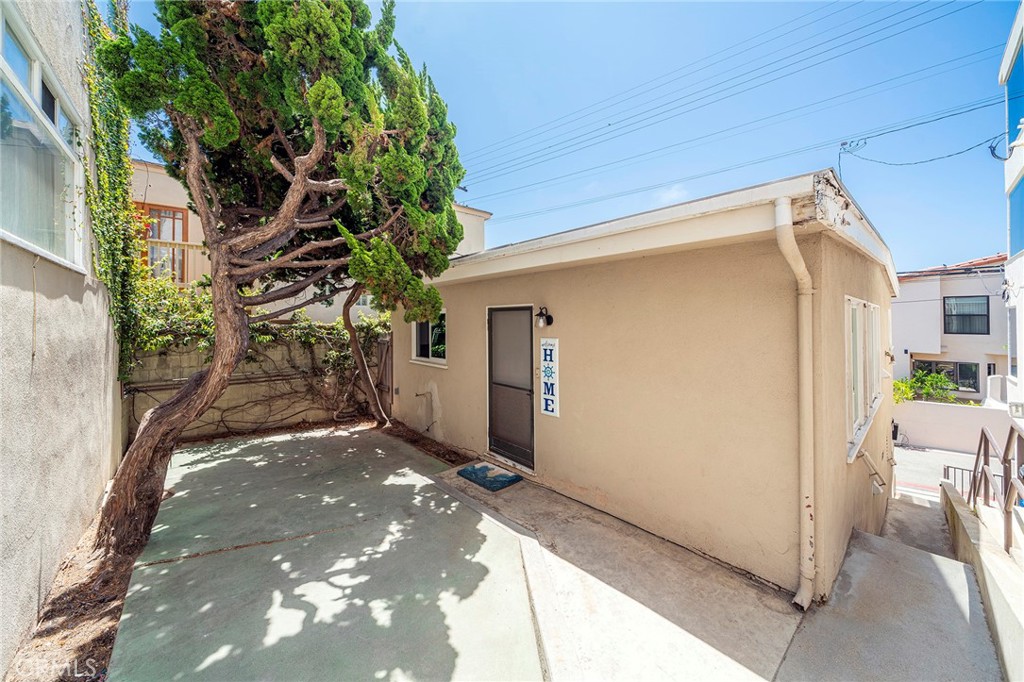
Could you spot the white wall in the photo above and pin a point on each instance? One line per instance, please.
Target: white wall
(949, 427)
(916, 322)
(59, 400)
(1015, 286)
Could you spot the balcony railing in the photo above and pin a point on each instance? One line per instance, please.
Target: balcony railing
(185, 261)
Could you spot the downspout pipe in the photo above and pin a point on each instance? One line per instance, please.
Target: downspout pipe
(805, 394)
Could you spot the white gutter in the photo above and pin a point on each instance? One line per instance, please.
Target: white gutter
(805, 394)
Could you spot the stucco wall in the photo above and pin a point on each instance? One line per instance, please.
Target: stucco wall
(844, 498)
(950, 427)
(282, 385)
(59, 409)
(678, 394)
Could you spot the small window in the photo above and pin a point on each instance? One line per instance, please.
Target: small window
(429, 341)
(991, 369)
(966, 314)
(863, 365)
(48, 102)
(365, 300)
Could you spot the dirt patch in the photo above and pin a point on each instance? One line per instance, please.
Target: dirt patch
(74, 635)
(427, 444)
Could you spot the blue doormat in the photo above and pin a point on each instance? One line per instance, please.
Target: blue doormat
(490, 477)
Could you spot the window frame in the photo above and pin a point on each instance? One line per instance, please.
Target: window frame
(988, 316)
(430, 361)
(934, 369)
(144, 208)
(31, 96)
(864, 369)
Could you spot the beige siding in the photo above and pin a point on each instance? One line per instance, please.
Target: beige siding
(678, 394)
(843, 490)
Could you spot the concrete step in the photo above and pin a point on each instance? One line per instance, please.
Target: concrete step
(896, 613)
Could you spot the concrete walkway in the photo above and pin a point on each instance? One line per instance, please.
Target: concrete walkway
(896, 613)
(918, 522)
(616, 603)
(323, 556)
(349, 555)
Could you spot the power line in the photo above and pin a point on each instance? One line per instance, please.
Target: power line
(751, 125)
(742, 44)
(534, 141)
(878, 132)
(526, 163)
(572, 146)
(918, 163)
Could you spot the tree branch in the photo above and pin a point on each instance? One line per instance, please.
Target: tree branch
(293, 198)
(283, 311)
(262, 268)
(290, 290)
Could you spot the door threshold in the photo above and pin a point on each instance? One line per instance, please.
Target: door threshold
(515, 465)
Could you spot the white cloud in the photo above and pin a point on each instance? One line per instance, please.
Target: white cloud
(672, 194)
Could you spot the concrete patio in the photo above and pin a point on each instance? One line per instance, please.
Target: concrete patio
(341, 554)
(322, 555)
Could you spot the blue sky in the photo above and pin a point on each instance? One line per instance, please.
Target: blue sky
(512, 72)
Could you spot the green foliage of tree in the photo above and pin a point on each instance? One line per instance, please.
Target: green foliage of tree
(320, 163)
(259, 84)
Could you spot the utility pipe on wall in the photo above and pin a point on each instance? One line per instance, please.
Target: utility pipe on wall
(805, 394)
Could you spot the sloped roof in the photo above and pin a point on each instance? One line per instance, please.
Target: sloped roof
(984, 264)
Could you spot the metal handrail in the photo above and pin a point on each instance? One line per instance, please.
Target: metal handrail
(983, 480)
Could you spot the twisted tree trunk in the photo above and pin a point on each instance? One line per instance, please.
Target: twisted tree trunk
(362, 369)
(127, 517)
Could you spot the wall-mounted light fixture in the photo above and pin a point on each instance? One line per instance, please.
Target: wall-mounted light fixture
(543, 318)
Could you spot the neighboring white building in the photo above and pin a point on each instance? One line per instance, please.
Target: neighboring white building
(950, 319)
(1011, 76)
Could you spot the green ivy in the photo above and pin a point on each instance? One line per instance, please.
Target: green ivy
(116, 225)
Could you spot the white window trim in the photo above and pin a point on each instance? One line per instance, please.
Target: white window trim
(441, 363)
(39, 70)
(861, 429)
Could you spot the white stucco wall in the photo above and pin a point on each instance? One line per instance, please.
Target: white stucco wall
(949, 427)
(916, 322)
(59, 406)
(1015, 336)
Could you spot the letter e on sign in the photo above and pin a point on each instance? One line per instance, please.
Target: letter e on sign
(549, 377)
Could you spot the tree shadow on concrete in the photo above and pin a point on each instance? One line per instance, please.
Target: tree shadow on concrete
(311, 558)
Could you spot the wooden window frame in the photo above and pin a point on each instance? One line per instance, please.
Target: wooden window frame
(144, 208)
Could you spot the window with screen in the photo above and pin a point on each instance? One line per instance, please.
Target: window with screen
(966, 314)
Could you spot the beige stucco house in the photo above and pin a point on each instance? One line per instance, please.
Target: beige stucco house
(717, 372)
(59, 399)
